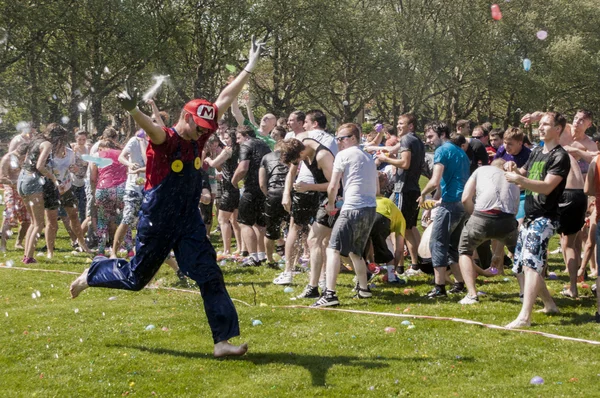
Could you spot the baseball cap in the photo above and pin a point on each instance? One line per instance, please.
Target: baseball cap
(203, 112)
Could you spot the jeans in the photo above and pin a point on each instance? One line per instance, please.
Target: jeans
(445, 233)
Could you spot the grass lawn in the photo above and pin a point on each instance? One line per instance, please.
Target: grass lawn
(98, 345)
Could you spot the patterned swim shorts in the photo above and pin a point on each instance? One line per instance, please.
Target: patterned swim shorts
(532, 244)
(15, 210)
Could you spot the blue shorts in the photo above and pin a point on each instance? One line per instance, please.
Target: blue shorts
(532, 244)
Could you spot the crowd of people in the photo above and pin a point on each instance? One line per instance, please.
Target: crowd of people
(290, 187)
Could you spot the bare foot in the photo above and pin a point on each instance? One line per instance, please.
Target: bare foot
(19, 246)
(569, 293)
(79, 284)
(549, 310)
(225, 349)
(518, 323)
(49, 255)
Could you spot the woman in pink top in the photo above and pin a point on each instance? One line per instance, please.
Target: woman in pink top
(109, 183)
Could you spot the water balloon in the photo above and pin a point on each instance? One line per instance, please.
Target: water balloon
(82, 107)
(100, 162)
(496, 13)
(527, 64)
(542, 34)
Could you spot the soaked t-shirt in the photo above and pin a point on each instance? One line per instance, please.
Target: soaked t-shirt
(253, 150)
(539, 165)
(276, 173)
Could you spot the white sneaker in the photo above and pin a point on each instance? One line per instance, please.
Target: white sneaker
(468, 300)
(412, 272)
(285, 278)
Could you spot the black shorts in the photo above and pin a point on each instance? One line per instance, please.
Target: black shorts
(571, 211)
(230, 200)
(274, 215)
(252, 204)
(379, 234)
(304, 207)
(207, 212)
(326, 219)
(410, 208)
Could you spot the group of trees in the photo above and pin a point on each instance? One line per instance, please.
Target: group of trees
(440, 59)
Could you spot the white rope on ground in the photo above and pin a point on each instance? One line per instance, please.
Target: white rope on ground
(440, 318)
(387, 314)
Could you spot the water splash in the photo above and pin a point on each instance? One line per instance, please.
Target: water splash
(152, 90)
(65, 120)
(82, 107)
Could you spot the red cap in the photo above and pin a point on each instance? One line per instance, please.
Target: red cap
(205, 113)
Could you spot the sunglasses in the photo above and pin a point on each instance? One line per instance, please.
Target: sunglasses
(342, 138)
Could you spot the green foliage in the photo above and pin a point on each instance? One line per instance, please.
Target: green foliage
(351, 58)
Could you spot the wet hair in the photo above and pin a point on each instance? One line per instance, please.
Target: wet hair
(558, 119)
(514, 133)
(391, 130)
(440, 128)
(300, 116)
(279, 131)
(317, 116)
(81, 132)
(586, 113)
(383, 181)
(235, 147)
(246, 131)
(410, 119)
(354, 130)
(110, 133)
(22, 149)
(108, 144)
(457, 139)
(290, 150)
(282, 121)
(56, 134)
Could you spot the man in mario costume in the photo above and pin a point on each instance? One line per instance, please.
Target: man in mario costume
(169, 215)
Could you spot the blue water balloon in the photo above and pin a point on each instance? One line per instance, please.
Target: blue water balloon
(527, 64)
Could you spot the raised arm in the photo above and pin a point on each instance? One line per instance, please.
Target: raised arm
(129, 100)
(230, 93)
(237, 113)
(156, 113)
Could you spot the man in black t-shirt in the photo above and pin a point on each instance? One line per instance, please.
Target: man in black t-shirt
(543, 178)
(409, 164)
(271, 177)
(250, 215)
(476, 151)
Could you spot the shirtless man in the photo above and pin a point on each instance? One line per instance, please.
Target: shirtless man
(15, 210)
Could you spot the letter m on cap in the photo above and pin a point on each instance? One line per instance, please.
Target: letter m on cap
(206, 112)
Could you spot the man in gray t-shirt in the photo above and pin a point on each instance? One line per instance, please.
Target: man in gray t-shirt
(493, 203)
(357, 215)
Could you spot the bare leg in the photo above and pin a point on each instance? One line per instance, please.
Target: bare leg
(249, 237)
(534, 284)
(333, 268)
(319, 234)
(118, 238)
(226, 230)
(456, 272)
(35, 205)
(572, 260)
(51, 229)
(70, 232)
(260, 238)
(469, 274)
(290, 245)
(360, 268)
(76, 227)
(22, 234)
(79, 284)
(413, 238)
(236, 230)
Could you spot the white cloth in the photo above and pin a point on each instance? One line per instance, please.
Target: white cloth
(359, 178)
(136, 149)
(493, 192)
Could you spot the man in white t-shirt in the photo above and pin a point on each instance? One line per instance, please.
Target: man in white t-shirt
(134, 157)
(358, 174)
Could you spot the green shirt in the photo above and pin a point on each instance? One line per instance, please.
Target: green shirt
(265, 138)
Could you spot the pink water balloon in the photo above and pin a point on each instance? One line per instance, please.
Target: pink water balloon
(542, 34)
(496, 13)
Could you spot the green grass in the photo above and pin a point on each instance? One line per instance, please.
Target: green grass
(96, 347)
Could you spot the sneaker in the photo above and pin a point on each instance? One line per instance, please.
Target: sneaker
(309, 292)
(273, 265)
(412, 272)
(285, 278)
(597, 317)
(181, 276)
(521, 297)
(250, 262)
(327, 299)
(469, 300)
(436, 292)
(216, 230)
(29, 260)
(459, 287)
(323, 285)
(363, 293)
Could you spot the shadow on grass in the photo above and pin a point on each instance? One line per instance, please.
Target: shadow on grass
(317, 365)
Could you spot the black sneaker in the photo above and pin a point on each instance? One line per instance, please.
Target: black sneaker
(250, 262)
(309, 292)
(363, 293)
(280, 250)
(459, 287)
(327, 299)
(181, 276)
(437, 292)
(273, 265)
(244, 254)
